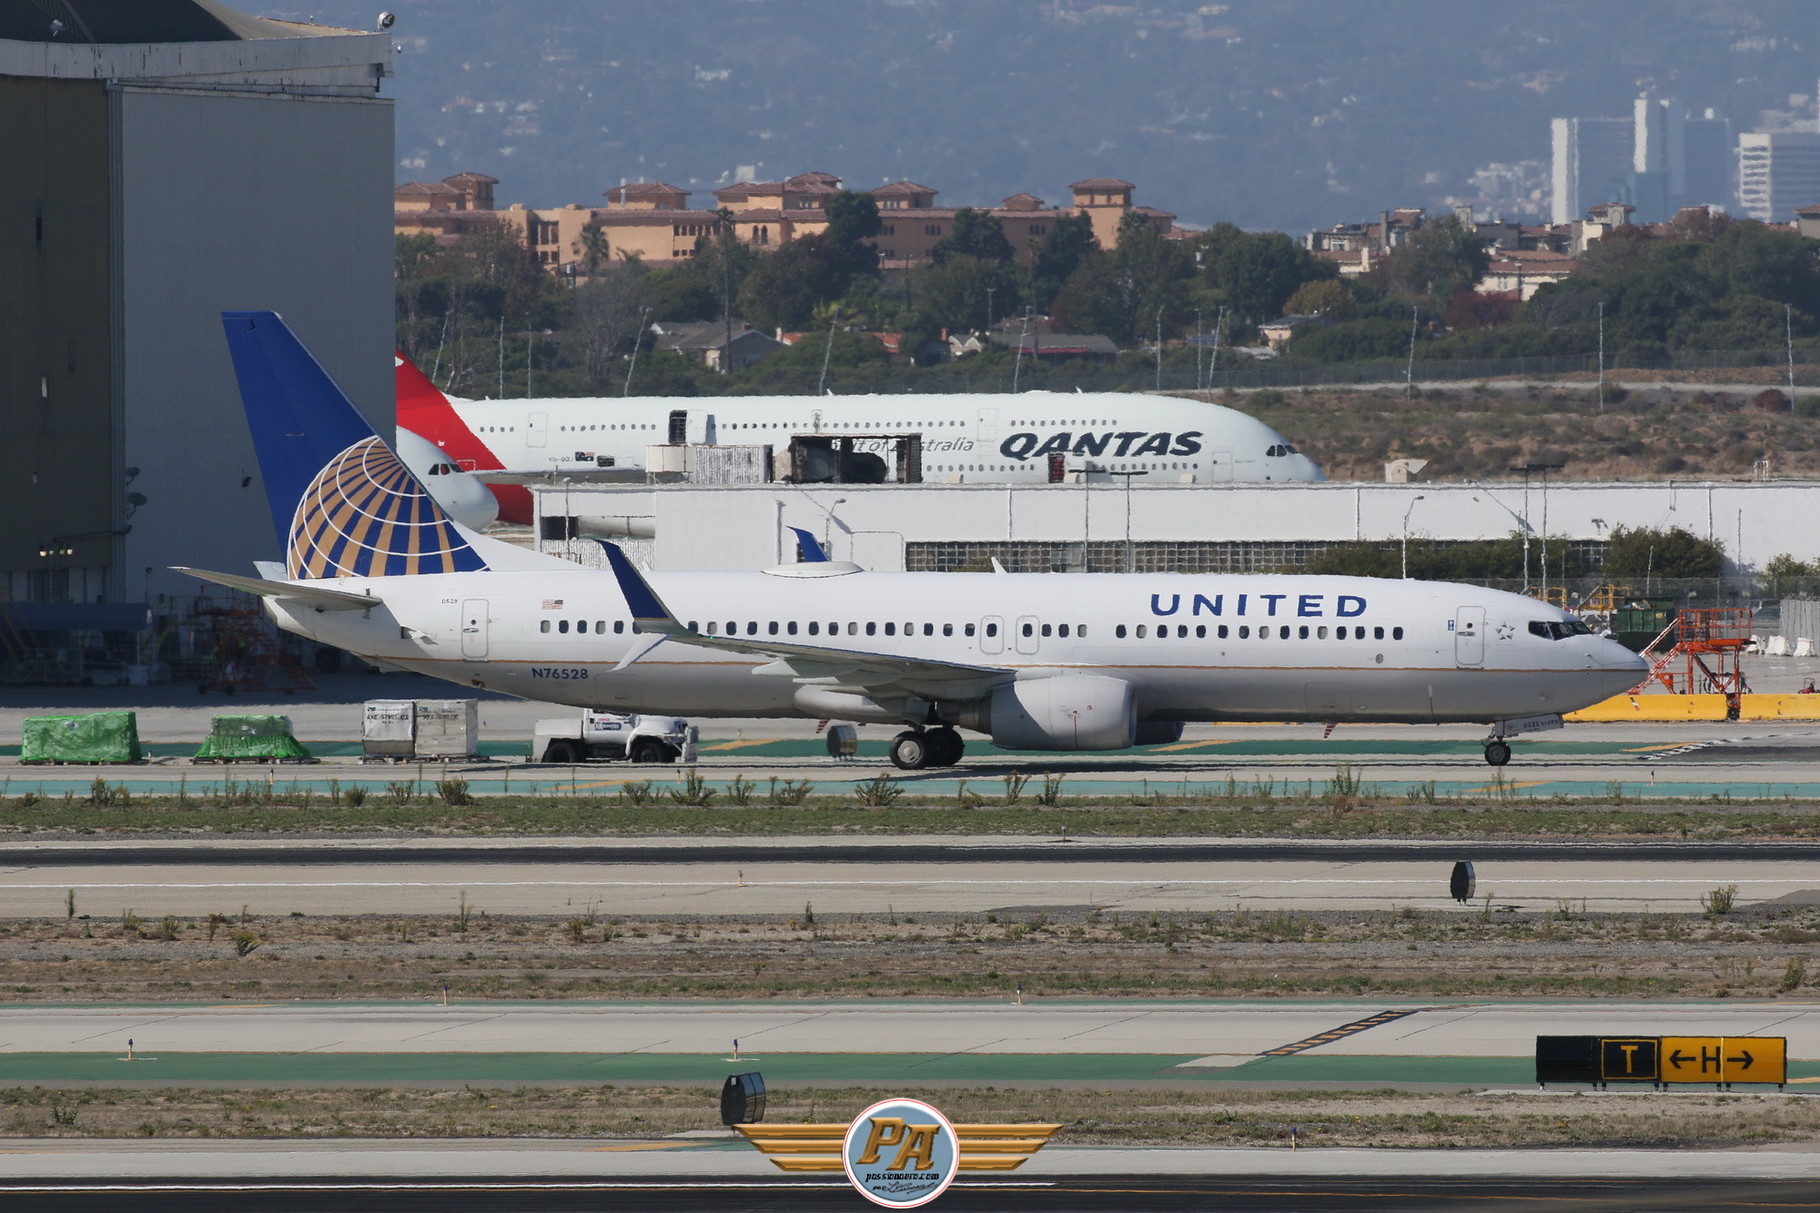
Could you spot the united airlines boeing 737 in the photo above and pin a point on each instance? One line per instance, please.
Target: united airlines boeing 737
(1046, 661)
(973, 438)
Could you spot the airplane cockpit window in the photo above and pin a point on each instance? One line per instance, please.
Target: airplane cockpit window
(1558, 629)
(1277, 450)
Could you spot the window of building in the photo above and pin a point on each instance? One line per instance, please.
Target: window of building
(932, 229)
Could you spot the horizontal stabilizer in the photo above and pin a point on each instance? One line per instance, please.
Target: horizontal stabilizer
(310, 596)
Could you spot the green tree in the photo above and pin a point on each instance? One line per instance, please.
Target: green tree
(1129, 293)
(853, 223)
(976, 234)
(1327, 296)
(1259, 271)
(956, 292)
(1058, 253)
(1649, 552)
(1442, 257)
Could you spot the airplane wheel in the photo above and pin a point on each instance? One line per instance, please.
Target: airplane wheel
(945, 746)
(910, 751)
(1497, 753)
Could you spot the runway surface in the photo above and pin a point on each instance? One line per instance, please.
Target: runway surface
(904, 875)
(1118, 1043)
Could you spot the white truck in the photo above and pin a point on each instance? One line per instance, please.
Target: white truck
(609, 737)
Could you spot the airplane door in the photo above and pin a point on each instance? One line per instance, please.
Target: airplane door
(537, 429)
(988, 435)
(1219, 467)
(992, 634)
(1027, 638)
(1469, 637)
(474, 627)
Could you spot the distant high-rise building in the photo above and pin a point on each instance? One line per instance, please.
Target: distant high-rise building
(1708, 173)
(1778, 171)
(1592, 162)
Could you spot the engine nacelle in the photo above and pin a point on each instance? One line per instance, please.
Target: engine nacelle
(1158, 732)
(1067, 712)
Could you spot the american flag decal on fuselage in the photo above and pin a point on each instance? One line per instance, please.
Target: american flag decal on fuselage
(365, 515)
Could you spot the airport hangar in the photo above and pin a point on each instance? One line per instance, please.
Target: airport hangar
(1108, 524)
(166, 162)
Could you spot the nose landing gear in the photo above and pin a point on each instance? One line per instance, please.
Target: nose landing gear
(1497, 753)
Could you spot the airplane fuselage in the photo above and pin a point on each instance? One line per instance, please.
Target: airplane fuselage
(1192, 647)
(970, 437)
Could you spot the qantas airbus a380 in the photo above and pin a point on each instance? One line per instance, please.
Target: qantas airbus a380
(1048, 661)
(972, 437)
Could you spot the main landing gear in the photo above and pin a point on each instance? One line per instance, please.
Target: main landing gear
(914, 749)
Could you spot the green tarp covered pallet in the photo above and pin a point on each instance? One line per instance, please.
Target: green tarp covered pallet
(251, 739)
(96, 737)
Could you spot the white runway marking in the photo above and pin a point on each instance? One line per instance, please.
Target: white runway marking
(1703, 881)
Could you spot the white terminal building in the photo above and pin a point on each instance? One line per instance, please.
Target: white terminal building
(1110, 526)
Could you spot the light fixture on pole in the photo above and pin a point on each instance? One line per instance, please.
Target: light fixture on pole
(1406, 514)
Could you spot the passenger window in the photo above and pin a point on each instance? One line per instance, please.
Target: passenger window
(1283, 633)
(928, 629)
(1181, 631)
(814, 628)
(1046, 629)
(1119, 631)
(1062, 630)
(1244, 631)
(619, 626)
(1142, 631)
(543, 625)
(712, 626)
(1321, 632)
(969, 629)
(1339, 633)
(1028, 630)
(1302, 632)
(751, 628)
(853, 629)
(1377, 633)
(1222, 631)
(790, 627)
(1080, 631)
(890, 629)
(947, 629)
(563, 626)
(693, 626)
(1200, 631)
(1396, 633)
(834, 629)
(772, 627)
(871, 629)
(992, 629)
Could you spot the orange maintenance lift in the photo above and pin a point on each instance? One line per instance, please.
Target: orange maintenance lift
(1702, 654)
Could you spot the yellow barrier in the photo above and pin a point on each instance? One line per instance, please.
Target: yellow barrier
(1779, 707)
(1620, 708)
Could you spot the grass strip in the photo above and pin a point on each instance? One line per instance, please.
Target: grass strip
(1193, 1116)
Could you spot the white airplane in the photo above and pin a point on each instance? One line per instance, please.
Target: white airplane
(1046, 661)
(966, 437)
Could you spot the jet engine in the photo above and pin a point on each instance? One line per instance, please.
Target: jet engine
(1066, 712)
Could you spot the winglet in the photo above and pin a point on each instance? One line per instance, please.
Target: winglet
(649, 614)
(813, 552)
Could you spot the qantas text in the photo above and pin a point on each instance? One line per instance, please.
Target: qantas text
(1119, 445)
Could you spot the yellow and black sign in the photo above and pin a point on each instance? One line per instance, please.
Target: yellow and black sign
(1721, 1060)
(1724, 1059)
(1628, 1059)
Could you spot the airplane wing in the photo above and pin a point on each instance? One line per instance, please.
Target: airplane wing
(806, 663)
(284, 591)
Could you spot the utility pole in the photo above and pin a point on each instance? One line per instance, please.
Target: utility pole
(1409, 371)
(1601, 355)
(1544, 469)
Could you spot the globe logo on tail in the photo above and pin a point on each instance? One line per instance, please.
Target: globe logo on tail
(365, 515)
